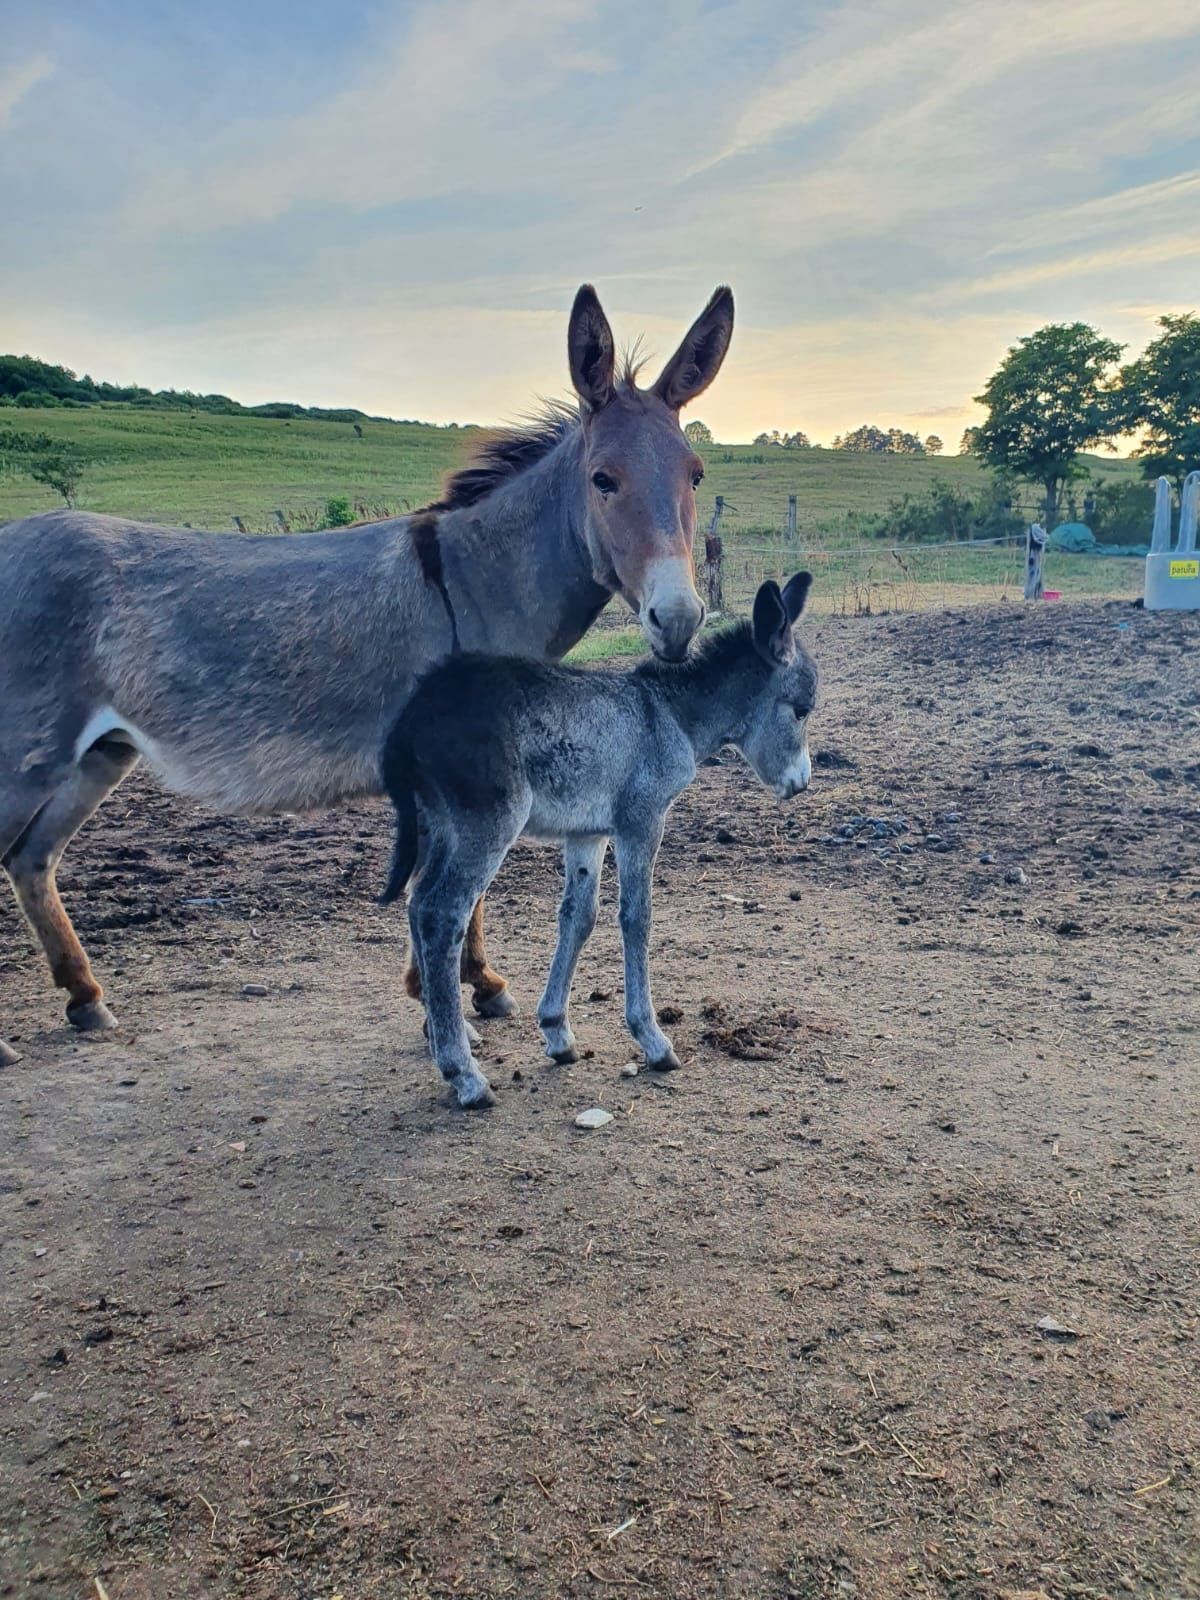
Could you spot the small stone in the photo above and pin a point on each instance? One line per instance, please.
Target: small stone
(8, 1056)
(1051, 1328)
(723, 836)
(986, 859)
(630, 1069)
(596, 1117)
(255, 991)
(1015, 875)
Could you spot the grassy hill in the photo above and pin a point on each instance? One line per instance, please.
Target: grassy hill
(166, 466)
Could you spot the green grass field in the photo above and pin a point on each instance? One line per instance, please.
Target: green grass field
(172, 467)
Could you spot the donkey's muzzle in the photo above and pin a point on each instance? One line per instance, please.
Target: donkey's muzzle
(671, 610)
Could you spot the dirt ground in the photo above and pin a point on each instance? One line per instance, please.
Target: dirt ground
(278, 1322)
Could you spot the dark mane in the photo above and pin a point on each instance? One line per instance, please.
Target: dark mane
(716, 652)
(506, 452)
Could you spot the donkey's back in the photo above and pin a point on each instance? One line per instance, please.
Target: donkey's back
(256, 673)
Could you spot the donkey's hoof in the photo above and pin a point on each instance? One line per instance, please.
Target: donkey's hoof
(565, 1058)
(668, 1063)
(480, 1099)
(500, 1004)
(8, 1056)
(91, 1017)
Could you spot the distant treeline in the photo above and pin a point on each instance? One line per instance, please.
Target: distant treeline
(36, 385)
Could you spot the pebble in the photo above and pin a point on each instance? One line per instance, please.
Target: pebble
(630, 1069)
(1015, 875)
(986, 859)
(255, 991)
(596, 1117)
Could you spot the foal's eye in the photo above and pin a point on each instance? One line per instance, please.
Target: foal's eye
(800, 712)
(604, 483)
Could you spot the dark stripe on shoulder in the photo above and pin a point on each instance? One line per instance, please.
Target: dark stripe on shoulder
(423, 530)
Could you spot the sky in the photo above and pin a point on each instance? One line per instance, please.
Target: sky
(390, 205)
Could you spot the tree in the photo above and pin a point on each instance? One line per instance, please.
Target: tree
(697, 432)
(60, 469)
(1050, 398)
(774, 437)
(933, 445)
(797, 441)
(968, 445)
(1161, 393)
(868, 437)
(901, 443)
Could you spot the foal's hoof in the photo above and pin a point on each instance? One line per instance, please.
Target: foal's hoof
(500, 1004)
(565, 1058)
(8, 1056)
(91, 1017)
(668, 1063)
(481, 1100)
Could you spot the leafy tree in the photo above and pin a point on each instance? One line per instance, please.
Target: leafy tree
(697, 432)
(968, 445)
(1161, 393)
(796, 441)
(933, 445)
(774, 437)
(1050, 398)
(868, 437)
(60, 469)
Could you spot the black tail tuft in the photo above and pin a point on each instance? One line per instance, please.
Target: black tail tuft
(404, 856)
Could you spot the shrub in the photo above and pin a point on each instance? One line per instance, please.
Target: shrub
(1121, 513)
(945, 513)
(338, 513)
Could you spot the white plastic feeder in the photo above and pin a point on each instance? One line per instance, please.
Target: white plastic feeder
(1173, 576)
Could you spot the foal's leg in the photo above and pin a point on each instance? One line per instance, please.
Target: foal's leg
(32, 861)
(441, 905)
(583, 862)
(491, 997)
(635, 863)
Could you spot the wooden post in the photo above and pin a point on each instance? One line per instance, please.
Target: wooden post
(282, 521)
(1035, 550)
(791, 521)
(713, 576)
(239, 524)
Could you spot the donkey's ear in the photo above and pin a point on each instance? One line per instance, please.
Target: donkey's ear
(590, 350)
(698, 360)
(795, 593)
(772, 626)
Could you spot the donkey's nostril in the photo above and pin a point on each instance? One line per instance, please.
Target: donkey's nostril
(654, 622)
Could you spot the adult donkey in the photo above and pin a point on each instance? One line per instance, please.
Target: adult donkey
(263, 674)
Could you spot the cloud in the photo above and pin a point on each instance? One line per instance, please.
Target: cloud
(17, 81)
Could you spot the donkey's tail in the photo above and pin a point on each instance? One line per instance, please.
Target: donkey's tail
(408, 837)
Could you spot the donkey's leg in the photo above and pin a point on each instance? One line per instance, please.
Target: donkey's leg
(441, 905)
(583, 862)
(32, 861)
(21, 798)
(635, 863)
(491, 995)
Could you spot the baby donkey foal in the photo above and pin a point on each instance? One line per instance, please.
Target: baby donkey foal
(489, 748)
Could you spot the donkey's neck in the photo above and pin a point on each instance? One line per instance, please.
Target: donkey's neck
(713, 696)
(516, 565)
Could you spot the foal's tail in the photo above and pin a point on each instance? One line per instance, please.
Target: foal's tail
(397, 775)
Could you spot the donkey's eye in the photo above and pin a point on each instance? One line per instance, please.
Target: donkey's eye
(604, 483)
(697, 479)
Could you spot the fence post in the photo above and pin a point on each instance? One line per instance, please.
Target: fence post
(791, 521)
(239, 524)
(1035, 550)
(282, 521)
(713, 576)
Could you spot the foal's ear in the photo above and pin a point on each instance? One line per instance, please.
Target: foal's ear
(772, 625)
(590, 350)
(795, 593)
(698, 360)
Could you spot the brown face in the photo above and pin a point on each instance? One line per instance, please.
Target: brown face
(641, 473)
